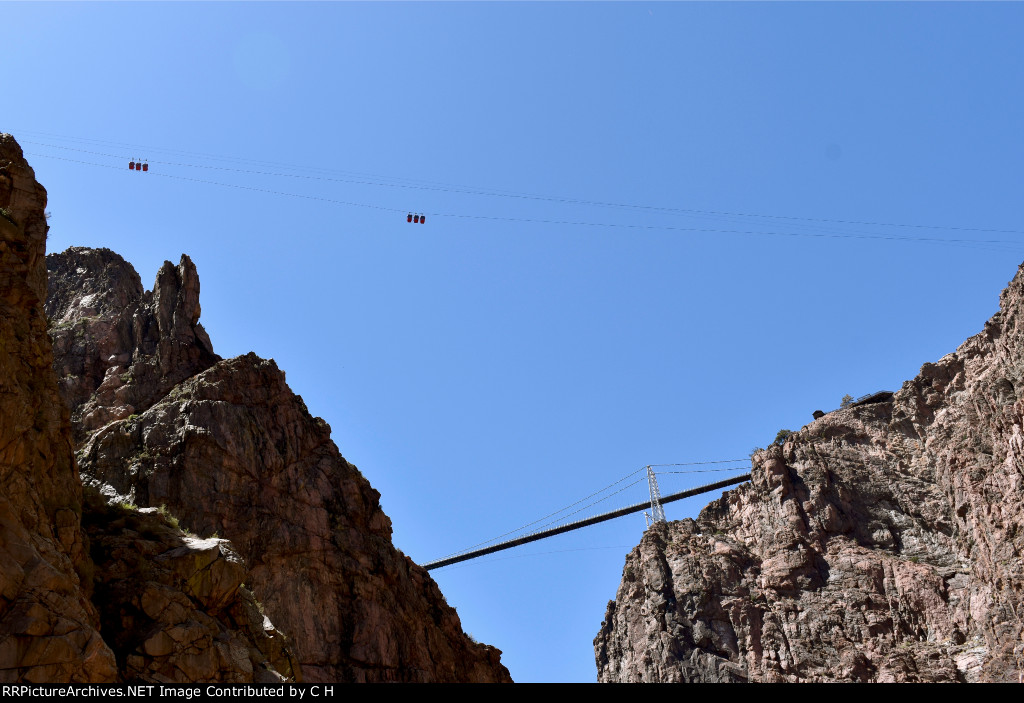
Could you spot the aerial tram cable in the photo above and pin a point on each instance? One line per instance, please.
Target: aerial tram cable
(364, 182)
(974, 243)
(544, 198)
(717, 214)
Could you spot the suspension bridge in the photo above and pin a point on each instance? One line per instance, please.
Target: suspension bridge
(654, 504)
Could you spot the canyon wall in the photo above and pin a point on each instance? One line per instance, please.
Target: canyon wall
(881, 542)
(171, 516)
(226, 447)
(91, 592)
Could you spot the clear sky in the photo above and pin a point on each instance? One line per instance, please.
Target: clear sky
(498, 363)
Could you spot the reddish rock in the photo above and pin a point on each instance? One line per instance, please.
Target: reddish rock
(174, 608)
(880, 543)
(149, 580)
(48, 627)
(118, 347)
(230, 449)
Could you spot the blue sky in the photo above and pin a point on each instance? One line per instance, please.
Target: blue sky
(493, 365)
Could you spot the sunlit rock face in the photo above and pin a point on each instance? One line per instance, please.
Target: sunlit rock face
(879, 543)
(94, 589)
(91, 592)
(230, 450)
(48, 626)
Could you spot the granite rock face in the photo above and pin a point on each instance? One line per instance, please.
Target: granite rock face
(174, 608)
(229, 449)
(168, 609)
(879, 543)
(48, 626)
(119, 348)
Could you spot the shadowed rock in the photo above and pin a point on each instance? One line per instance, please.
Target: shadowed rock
(148, 580)
(48, 627)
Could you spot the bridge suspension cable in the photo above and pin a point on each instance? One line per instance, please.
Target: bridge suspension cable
(557, 512)
(611, 515)
(561, 514)
(546, 526)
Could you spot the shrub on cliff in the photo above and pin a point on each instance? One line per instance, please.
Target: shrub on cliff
(782, 436)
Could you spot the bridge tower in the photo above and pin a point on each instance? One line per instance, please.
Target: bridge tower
(657, 512)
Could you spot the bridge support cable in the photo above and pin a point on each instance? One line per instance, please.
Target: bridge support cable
(562, 510)
(569, 527)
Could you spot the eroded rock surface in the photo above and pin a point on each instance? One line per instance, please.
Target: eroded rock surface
(174, 608)
(879, 543)
(228, 448)
(48, 626)
(119, 348)
(168, 608)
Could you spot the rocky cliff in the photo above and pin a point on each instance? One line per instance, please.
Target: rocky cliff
(879, 543)
(230, 450)
(93, 588)
(91, 592)
(48, 626)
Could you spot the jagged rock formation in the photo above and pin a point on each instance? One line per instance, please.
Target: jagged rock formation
(229, 449)
(173, 607)
(169, 609)
(108, 330)
(879, 543)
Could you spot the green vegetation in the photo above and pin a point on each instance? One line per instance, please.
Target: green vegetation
(171, 520)
(781, 436)
(847, 401)
(6, 214)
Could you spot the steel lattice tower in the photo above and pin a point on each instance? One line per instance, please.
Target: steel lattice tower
(657, 512)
